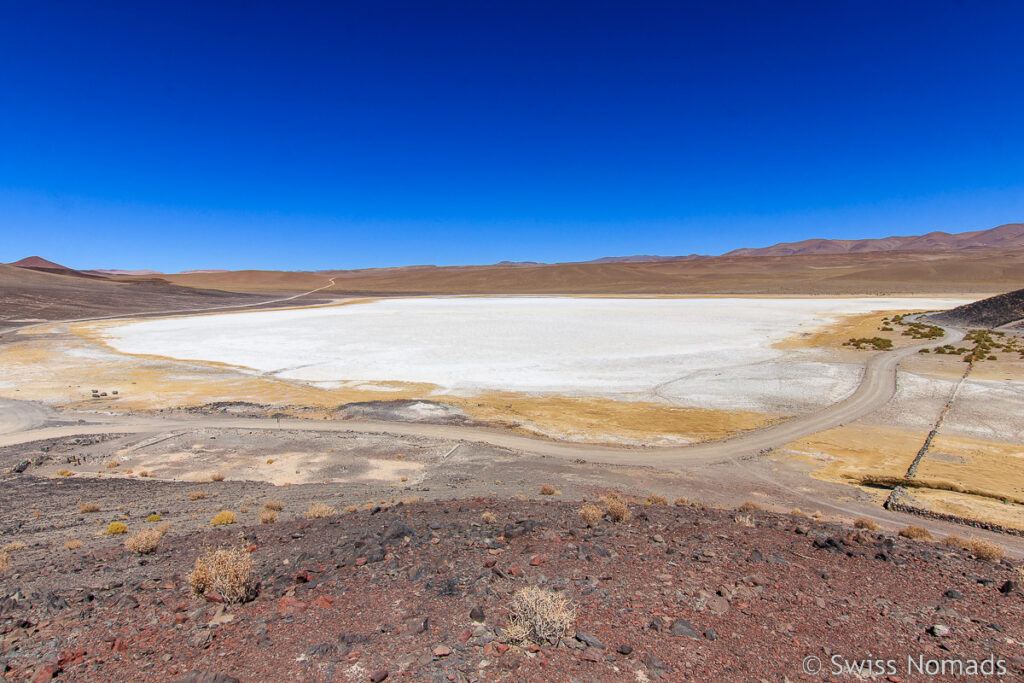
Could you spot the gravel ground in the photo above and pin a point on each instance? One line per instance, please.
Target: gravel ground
(421, 591)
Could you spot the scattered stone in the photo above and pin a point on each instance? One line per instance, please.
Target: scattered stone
(477, 614)
(624, 649)
(939, 631)
(681, 627)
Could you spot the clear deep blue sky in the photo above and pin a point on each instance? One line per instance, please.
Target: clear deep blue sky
(176, 135)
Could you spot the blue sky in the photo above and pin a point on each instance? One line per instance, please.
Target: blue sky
(342, 135)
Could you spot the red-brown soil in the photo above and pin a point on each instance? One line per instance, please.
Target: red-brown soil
(676, 593)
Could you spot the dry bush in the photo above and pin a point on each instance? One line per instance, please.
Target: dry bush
(112, 464)
(85, 508)
(318, 510)
(682, 502)
(954, 541)
(197, 495)
(145, 473)
(617, 510)
(65, 473)
(547, 490)
(226, 572)
(591, 514)
(655, 499)
(72, 544)
(223, 517)
(14, 546)
(154, 518)
(749, 506)
(268, 516)
(275, 505)
(917, 533)
(5, 562)
(349, 509)
(743, 520)
(797, 512)
(144, 541)
(538, 615)
(115, 528)
(984, 550)
(488, 518)
(216, 476)
(866, 524)
(270, 461)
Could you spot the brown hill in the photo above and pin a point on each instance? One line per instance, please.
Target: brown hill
(897, 272)
(39, 263)
(1010, 235)
(29, 294)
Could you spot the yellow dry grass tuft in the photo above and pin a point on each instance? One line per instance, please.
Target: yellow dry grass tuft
(197, 495)
(5, 562)
(223, 517)
(866, 524)
(655, 499)
(984, 550)
(216, 476)
(86, 508)
(488, 517)
(276, 505)
(538, 615)
(227, 572)
(154, 518)
(268, 516)
(590, 514)
(145, 541)
(547, 490)
(72, 544)
(916, 533)
(115, 528)
(319, 510)
(14, 546)
(749, 506)
(349, 509)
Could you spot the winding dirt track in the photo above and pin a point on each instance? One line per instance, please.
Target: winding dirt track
(877, 387)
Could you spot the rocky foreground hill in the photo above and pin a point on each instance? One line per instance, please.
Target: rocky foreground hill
(987, 313)
(423, 591)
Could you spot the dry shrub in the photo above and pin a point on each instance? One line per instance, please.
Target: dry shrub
(216, 476)
(270, 461)
(743, 520)
(655, 499)
(547, 490)
(145, 473)
(112, 464)
(223, 517)
(268, 516)
(682, 502)
(115, 528)
(197, 495)
(618, 511)
(984, 550)
(226, 572)
(538, 615)
(146, 540)
(590, 514)
(797, 512)
(86, 508)
(349, 509)
(917, 533)
(275, 505)
(14, 546)
(488, 518)
(749, 506)
(72, 544)
(954, 541)
(318, 510)
(65, 473)
(5, 562)
(154, 518)
(866, 524)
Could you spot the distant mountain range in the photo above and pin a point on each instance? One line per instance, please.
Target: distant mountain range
(1009, 236)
